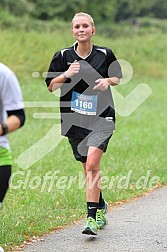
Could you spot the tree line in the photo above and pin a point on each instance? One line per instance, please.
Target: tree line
(102, 11)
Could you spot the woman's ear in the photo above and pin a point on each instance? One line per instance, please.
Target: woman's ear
(94, 30)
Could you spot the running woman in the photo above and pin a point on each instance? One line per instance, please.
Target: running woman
(84, 72)
(12, 117)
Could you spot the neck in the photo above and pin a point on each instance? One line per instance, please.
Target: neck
(84, 49)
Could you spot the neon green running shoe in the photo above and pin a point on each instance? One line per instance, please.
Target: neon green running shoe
(91, 227)
(100, 216)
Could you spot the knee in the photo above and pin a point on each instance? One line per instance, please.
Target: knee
(92, 166)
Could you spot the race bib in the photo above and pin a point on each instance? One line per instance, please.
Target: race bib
(84, 104)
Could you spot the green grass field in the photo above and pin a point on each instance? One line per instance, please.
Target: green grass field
(137, 148)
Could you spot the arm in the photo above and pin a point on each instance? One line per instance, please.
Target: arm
(113, 81)
(114, 70)
(15, 120)
(102, 84)
(58, 81)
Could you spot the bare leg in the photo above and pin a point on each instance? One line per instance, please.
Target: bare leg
(92, 172)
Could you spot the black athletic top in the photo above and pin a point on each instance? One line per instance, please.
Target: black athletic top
(80, 105)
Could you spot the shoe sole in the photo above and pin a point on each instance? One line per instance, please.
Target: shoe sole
(88, 231)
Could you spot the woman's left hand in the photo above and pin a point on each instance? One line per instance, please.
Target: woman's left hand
(102, 84)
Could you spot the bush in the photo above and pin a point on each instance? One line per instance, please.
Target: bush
(7, 20)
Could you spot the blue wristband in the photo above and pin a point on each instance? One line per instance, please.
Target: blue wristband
(64, 75)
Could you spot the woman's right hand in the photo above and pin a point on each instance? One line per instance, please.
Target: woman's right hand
(73, 69)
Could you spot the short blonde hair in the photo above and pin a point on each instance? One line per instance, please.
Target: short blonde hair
(83, 14)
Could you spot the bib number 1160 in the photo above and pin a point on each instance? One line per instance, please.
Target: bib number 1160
(83, 104)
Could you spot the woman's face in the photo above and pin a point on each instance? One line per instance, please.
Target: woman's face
(82, 29)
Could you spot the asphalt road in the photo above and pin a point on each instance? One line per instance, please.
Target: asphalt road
(140, 225)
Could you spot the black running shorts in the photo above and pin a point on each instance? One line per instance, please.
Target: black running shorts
(80, 145)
